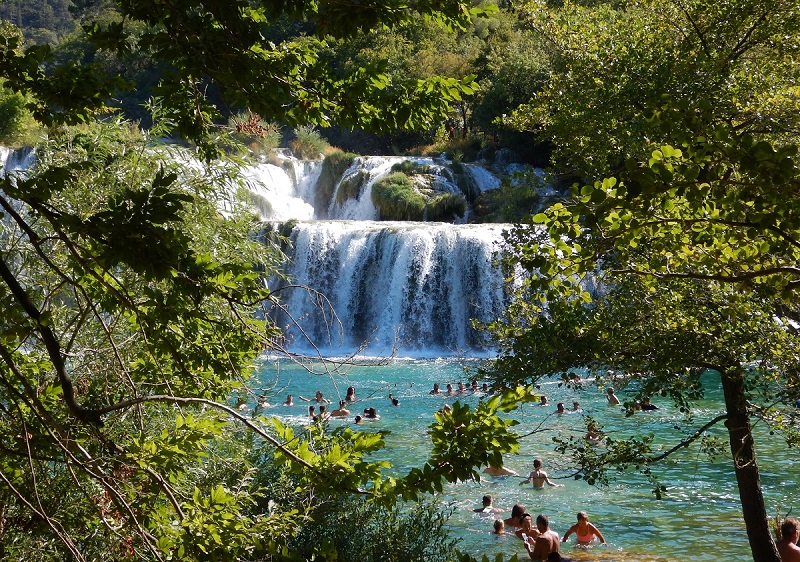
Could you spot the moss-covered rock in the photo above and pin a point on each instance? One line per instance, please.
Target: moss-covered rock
(397, 199)
(446, 207)
(334, 166)
(351, 186)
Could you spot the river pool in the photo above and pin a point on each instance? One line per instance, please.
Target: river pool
(698, 520)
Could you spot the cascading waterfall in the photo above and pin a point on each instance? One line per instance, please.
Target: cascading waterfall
(411, 286)
(416, 286)
(407, 286)
(16, 159)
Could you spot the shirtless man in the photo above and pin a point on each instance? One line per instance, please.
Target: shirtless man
(341, 411)
(611, 397)
(539, 477)
(787, 546)
(499, 471)
(548, 541)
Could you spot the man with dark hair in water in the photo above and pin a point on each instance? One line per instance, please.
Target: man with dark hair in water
(548, 541)
(539, 477)
(787, 546)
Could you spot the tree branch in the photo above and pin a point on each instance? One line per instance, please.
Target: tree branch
(686, 442)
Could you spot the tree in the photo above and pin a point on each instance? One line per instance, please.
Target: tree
(223, 51)
(132, 307)
(699, 220)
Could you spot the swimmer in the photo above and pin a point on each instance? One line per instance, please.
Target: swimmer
(351, 394)
(543, 400)
(576, 406)
(527, 531)
(546, 543)
(289, 401)
(584, 531)
(358, 419)
(488, 505)
(516, 513)
(318, 397)
(647, 406)
(499, 527)
(612, 398)
(593, 435)
(560, 408)
(341, 411)
(539, 477)
(435, 390)
(787, 546)
(499, 471)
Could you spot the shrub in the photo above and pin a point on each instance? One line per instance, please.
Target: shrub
(410, 168)
(396, 198)
(513, 202)
(260, 137)
(367, 532)
(308, 144)
(17, 125)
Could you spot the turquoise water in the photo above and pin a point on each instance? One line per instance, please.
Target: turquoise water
(698, 520)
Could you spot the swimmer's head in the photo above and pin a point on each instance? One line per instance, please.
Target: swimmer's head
(537, 463)
(583, 516)
(499, 525)
(517, 510)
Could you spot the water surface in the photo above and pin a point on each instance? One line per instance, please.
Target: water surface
(698, 520)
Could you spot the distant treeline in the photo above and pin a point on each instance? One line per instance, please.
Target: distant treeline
(509, 63)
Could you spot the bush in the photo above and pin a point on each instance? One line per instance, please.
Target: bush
(513, 202)
(308, 144)
(362, 531)
(260, 137)
(396, 198)
(410, 168)
(17, 125)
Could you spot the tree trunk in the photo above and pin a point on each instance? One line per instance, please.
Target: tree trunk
(743, 452)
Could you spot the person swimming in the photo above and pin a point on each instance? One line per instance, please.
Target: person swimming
(539, 477)
(585, 532)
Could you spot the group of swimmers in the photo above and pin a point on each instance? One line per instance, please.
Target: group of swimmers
(542, 543)
(460, 391)
(341, 411)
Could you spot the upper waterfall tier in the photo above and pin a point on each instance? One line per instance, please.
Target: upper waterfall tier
(414, 286)
(288, 188)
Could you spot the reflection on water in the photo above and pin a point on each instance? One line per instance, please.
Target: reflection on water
(698, 520)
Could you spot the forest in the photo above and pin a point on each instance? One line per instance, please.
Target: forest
(133, 314)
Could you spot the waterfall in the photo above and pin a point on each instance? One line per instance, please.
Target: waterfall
(16, 159)
(411, 286)
(416, 286)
